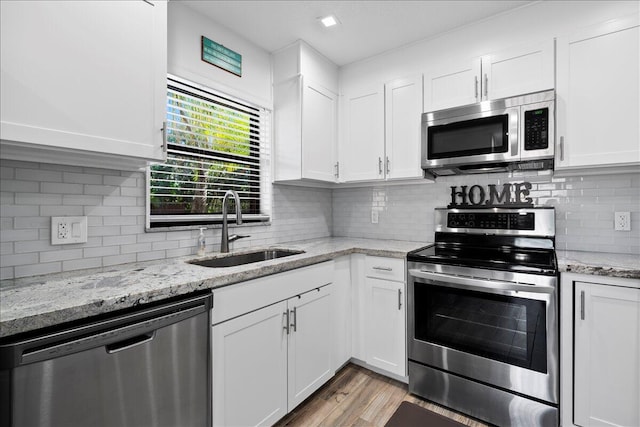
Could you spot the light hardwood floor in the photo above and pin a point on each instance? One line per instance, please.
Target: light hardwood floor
(359, 397)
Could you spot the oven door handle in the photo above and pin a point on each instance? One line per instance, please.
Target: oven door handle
(482, 285)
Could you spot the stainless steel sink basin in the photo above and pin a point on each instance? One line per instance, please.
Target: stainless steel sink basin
(232, 260)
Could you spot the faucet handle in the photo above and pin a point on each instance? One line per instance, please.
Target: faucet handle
(235, 237)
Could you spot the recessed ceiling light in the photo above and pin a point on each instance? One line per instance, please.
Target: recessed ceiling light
(329, 21)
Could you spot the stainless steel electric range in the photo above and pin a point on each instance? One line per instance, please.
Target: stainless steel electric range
(483, 315)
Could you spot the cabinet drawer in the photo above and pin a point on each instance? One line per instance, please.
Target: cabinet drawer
(385, 268)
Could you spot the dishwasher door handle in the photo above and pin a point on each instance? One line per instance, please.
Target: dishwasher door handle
(130, 343)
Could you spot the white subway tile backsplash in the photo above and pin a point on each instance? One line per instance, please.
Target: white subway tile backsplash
(61, 255)
(150, 256)
(81, 263)
(58, 187)
(114, 202)
(61, 210)
(118, 259)
(37, 269)
(15, 186)
(584, 208)
(18, 259)
(37, 175)
(81, 178)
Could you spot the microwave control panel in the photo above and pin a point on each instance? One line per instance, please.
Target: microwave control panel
(536, 129)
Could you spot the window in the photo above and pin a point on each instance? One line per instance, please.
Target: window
(214, 143)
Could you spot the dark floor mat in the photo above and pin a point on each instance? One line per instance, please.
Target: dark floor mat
(412, 415)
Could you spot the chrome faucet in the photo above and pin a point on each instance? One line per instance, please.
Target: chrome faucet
(224, 243)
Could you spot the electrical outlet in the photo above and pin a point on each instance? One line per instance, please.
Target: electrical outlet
(68, 229)
(622, 221)
(374, 216)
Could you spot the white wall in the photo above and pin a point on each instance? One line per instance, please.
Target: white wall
(185, 28)
(545, 19)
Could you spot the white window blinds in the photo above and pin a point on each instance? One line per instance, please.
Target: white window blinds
(214, 144)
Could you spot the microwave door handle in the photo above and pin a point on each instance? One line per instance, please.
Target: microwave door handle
(481, 285)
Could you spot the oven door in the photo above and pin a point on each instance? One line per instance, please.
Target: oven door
(497, 332)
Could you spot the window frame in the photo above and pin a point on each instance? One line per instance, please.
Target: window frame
(193, 221)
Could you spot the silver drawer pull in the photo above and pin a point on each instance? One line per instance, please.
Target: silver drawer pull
(383, 268)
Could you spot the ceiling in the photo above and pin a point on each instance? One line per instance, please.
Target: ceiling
(366, 28)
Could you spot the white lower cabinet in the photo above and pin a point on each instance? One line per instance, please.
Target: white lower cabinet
(310, 343)
(385, 325)
(268, 361)
(607, 355)
(250, 368)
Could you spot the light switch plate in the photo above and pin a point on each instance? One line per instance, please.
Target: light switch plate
(68, 229)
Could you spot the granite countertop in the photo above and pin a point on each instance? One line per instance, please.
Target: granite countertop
(599, 263)
(41, 301)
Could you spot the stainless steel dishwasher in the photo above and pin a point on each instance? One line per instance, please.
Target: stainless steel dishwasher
(149, 367)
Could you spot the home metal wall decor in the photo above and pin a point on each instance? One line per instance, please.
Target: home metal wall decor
(221, 57)
(511, 195)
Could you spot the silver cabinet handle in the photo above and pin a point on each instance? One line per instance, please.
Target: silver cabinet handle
(582, 305)
(476, 89)
(165, 148)
(294, 324)
(486, 86)
(382, 268)
(379, 165)
(399, 299)
(388, 165)
(562, 148)
(337, 174)
(286, 323)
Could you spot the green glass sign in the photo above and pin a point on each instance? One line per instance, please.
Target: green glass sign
(218, 55)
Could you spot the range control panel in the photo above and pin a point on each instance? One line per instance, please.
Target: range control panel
(492, 220)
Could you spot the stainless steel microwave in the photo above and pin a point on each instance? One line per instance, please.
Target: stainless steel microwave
(491, 136)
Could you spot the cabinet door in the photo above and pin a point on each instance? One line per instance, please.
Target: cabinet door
(403, 117)
(250, 368)
(310, 343)
(362, 147)
(385, 325)
(70, 81)
(607, 351)
(318, 133)
(518, 70)
(452, 85)
(598, 96)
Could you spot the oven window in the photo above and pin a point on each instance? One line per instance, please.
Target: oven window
(502, 328)
(471, 137)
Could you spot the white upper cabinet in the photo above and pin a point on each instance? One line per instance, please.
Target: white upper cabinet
(305, 104)
(84, 82)
(515, 71)
(362, 144)
(451, 85)
(381, 131)
(598, 96)
(403, 102)
(518, 70)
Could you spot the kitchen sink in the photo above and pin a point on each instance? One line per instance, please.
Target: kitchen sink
(232, 260)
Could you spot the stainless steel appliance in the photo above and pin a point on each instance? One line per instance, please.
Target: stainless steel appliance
(483, 315)
(149, 367)
(491, 136)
